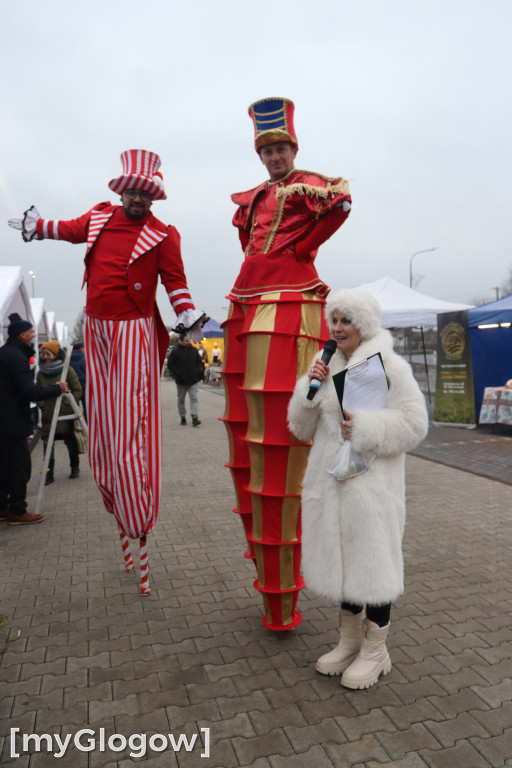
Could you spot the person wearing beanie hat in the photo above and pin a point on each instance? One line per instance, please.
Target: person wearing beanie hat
(17, 325)
(274, 326)
(17, 391)
(52, 346)
(352, 527)
(127, 250)
(51, 364)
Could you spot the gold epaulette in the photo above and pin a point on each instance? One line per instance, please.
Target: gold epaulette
(333, 187)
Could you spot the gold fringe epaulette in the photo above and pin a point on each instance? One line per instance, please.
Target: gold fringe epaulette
(341, 187)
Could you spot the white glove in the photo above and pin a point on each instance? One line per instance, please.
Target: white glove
(28, 224)
(190, 322)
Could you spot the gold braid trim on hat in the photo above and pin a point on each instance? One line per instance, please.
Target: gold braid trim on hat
(274, 136)
(341, 188)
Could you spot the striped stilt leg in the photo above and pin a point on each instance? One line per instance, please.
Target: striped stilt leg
(235, 416)
(125, 419)
(125, 543)
(144, 575)
(276, 337)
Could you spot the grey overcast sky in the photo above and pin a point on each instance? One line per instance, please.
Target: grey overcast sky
(408, 99)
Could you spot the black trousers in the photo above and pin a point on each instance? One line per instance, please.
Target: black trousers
(15, 471)
(379, 614)
(70, 442)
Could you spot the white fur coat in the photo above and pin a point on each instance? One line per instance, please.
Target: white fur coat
(352, 531)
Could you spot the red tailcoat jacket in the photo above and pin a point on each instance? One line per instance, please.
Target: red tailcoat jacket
(281, 226)
(152, 250)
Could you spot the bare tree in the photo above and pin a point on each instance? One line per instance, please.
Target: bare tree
(506, 286)
(78, 328)
(482, 298)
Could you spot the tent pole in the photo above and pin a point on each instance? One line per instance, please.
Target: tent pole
(426, 365)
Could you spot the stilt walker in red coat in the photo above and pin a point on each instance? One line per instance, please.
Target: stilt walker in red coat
(128, 249)
(275, 326)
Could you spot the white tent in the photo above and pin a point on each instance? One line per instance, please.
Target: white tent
(13, 298)
(62, 333)
(51, 325)
(404, 308)
(42, 325)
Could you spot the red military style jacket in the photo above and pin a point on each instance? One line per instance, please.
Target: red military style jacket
(281, 226)
(122, 265)
(150, 249)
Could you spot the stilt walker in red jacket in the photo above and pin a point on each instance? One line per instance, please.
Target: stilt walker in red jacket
(128, 249)
(274, 327)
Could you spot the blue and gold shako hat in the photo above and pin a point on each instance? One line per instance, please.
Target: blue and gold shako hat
(273, 121)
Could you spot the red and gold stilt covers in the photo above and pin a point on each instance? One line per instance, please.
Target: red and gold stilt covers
(269, 342)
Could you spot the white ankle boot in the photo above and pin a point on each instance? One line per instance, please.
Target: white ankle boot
(351, 638)
(373, 659)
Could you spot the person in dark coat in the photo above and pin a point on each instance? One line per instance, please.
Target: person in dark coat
(77, 362)
(186, 368)
(51, 365)
(17, 391)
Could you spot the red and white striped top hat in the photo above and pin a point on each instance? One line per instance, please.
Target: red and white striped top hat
(140, 171)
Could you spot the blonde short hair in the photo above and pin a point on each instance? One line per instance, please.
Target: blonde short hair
(360, 307)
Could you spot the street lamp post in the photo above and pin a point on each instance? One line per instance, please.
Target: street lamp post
(426, 250)
(436, 248)
(33, 276)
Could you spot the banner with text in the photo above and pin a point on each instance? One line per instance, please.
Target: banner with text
(455, 397)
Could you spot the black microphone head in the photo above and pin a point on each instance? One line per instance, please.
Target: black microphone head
(328, 351)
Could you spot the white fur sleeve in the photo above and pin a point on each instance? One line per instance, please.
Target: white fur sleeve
(303, 413)
(401, 425)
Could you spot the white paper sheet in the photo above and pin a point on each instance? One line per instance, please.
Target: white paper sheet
(366, 386)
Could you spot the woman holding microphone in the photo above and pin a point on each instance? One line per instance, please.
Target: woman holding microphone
(352, 529)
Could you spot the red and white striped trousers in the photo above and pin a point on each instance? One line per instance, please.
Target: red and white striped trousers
(125, 421)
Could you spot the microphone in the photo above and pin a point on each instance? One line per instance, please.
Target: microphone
(329, 350)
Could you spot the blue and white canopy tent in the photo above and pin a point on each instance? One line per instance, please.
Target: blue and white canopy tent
(212, 330)
(490, 332)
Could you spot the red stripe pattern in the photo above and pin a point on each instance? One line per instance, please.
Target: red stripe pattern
(181, 300)
(144, 574)
(125, 431)
(125, 543)
(97, 222)
(140, 171)
(50, 229)
(147, 239)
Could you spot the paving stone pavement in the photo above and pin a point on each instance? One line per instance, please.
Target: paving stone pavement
(194, 655)
(485, 450)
